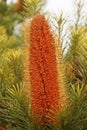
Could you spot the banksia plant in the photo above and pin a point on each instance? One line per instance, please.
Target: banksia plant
(43, 68)
(45, 89)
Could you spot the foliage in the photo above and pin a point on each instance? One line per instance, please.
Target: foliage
(32, 7)
(76, 55)
(75, 117)
(10, 57)
(14, 109)
(9, 17)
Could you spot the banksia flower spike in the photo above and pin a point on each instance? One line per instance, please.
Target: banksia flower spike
(43, 68)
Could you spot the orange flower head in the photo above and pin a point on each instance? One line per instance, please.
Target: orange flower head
(43, 68)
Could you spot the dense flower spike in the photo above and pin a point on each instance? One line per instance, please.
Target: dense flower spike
(43, 68)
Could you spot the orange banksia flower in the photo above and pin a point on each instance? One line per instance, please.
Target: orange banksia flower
(43, 68)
